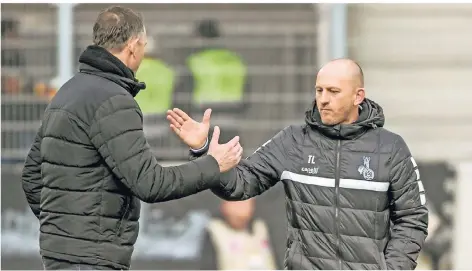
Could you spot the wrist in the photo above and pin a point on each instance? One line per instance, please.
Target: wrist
(202, 148)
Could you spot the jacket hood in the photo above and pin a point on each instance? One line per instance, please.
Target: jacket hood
(370, 116)
(98, 61)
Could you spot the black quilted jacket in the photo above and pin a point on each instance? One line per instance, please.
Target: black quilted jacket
(90, 166)
(354, 196)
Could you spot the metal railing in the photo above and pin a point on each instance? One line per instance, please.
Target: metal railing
(279, 46)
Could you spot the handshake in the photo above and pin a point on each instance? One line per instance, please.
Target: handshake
(195, 135)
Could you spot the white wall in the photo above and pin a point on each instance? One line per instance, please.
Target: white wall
(417, 60)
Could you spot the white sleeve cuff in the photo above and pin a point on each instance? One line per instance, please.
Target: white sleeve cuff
(202, 148)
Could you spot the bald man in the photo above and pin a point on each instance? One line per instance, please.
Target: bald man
(354, 195)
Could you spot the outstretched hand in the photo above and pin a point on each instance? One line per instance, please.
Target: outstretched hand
(228, 154)
(193, 133)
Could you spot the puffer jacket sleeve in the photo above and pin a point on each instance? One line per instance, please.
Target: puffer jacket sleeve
(117, 133)
(31, 175)
(257, 173)
(409, 214)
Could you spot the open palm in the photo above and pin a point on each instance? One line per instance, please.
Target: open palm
(193, 133)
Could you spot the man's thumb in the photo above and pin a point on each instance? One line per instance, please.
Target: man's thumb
(206, 116)
(216, 135)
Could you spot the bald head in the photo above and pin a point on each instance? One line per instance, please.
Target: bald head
(345, 68)
(339, 91)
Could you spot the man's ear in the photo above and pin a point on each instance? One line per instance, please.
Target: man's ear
(360, 96)
(132, 45)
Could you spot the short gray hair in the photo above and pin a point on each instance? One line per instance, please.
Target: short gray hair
(115, 26)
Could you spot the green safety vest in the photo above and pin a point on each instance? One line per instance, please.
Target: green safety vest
(159, 79)
(219, 76)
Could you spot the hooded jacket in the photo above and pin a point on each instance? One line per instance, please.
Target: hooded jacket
(90, 166)
(354, 197)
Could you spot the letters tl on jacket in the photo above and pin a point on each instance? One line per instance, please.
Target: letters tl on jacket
(354, 196)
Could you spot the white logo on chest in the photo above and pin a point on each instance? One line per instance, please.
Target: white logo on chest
(365, 170)
(311, 170)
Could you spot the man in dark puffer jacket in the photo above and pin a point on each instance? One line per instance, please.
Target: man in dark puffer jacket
(90, 164)
(354, 195)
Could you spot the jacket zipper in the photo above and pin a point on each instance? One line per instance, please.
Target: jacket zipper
(336, 208)
(128, 203)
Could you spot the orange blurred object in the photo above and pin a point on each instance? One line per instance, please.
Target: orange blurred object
(42, 89)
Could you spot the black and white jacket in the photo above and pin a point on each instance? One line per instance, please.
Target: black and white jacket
(354, 197)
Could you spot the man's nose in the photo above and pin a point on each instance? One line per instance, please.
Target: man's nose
(324, 98)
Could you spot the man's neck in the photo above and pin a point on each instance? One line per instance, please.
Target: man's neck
(120, 57)
(352, 118)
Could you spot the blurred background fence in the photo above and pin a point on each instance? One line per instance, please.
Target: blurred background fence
(416, 59)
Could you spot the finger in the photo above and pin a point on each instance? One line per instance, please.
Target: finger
(176, 117)
(239, 154)
(173, 121)
(237, 150)
(236, 147)
(233, 142)
(206, 116)
(216, 135)
(175, 129)
(181, 114)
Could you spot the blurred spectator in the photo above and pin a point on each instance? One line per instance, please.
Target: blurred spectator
(156, 99)
(237, 240)
(215, 77)
(437, 252)
(159, 77)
